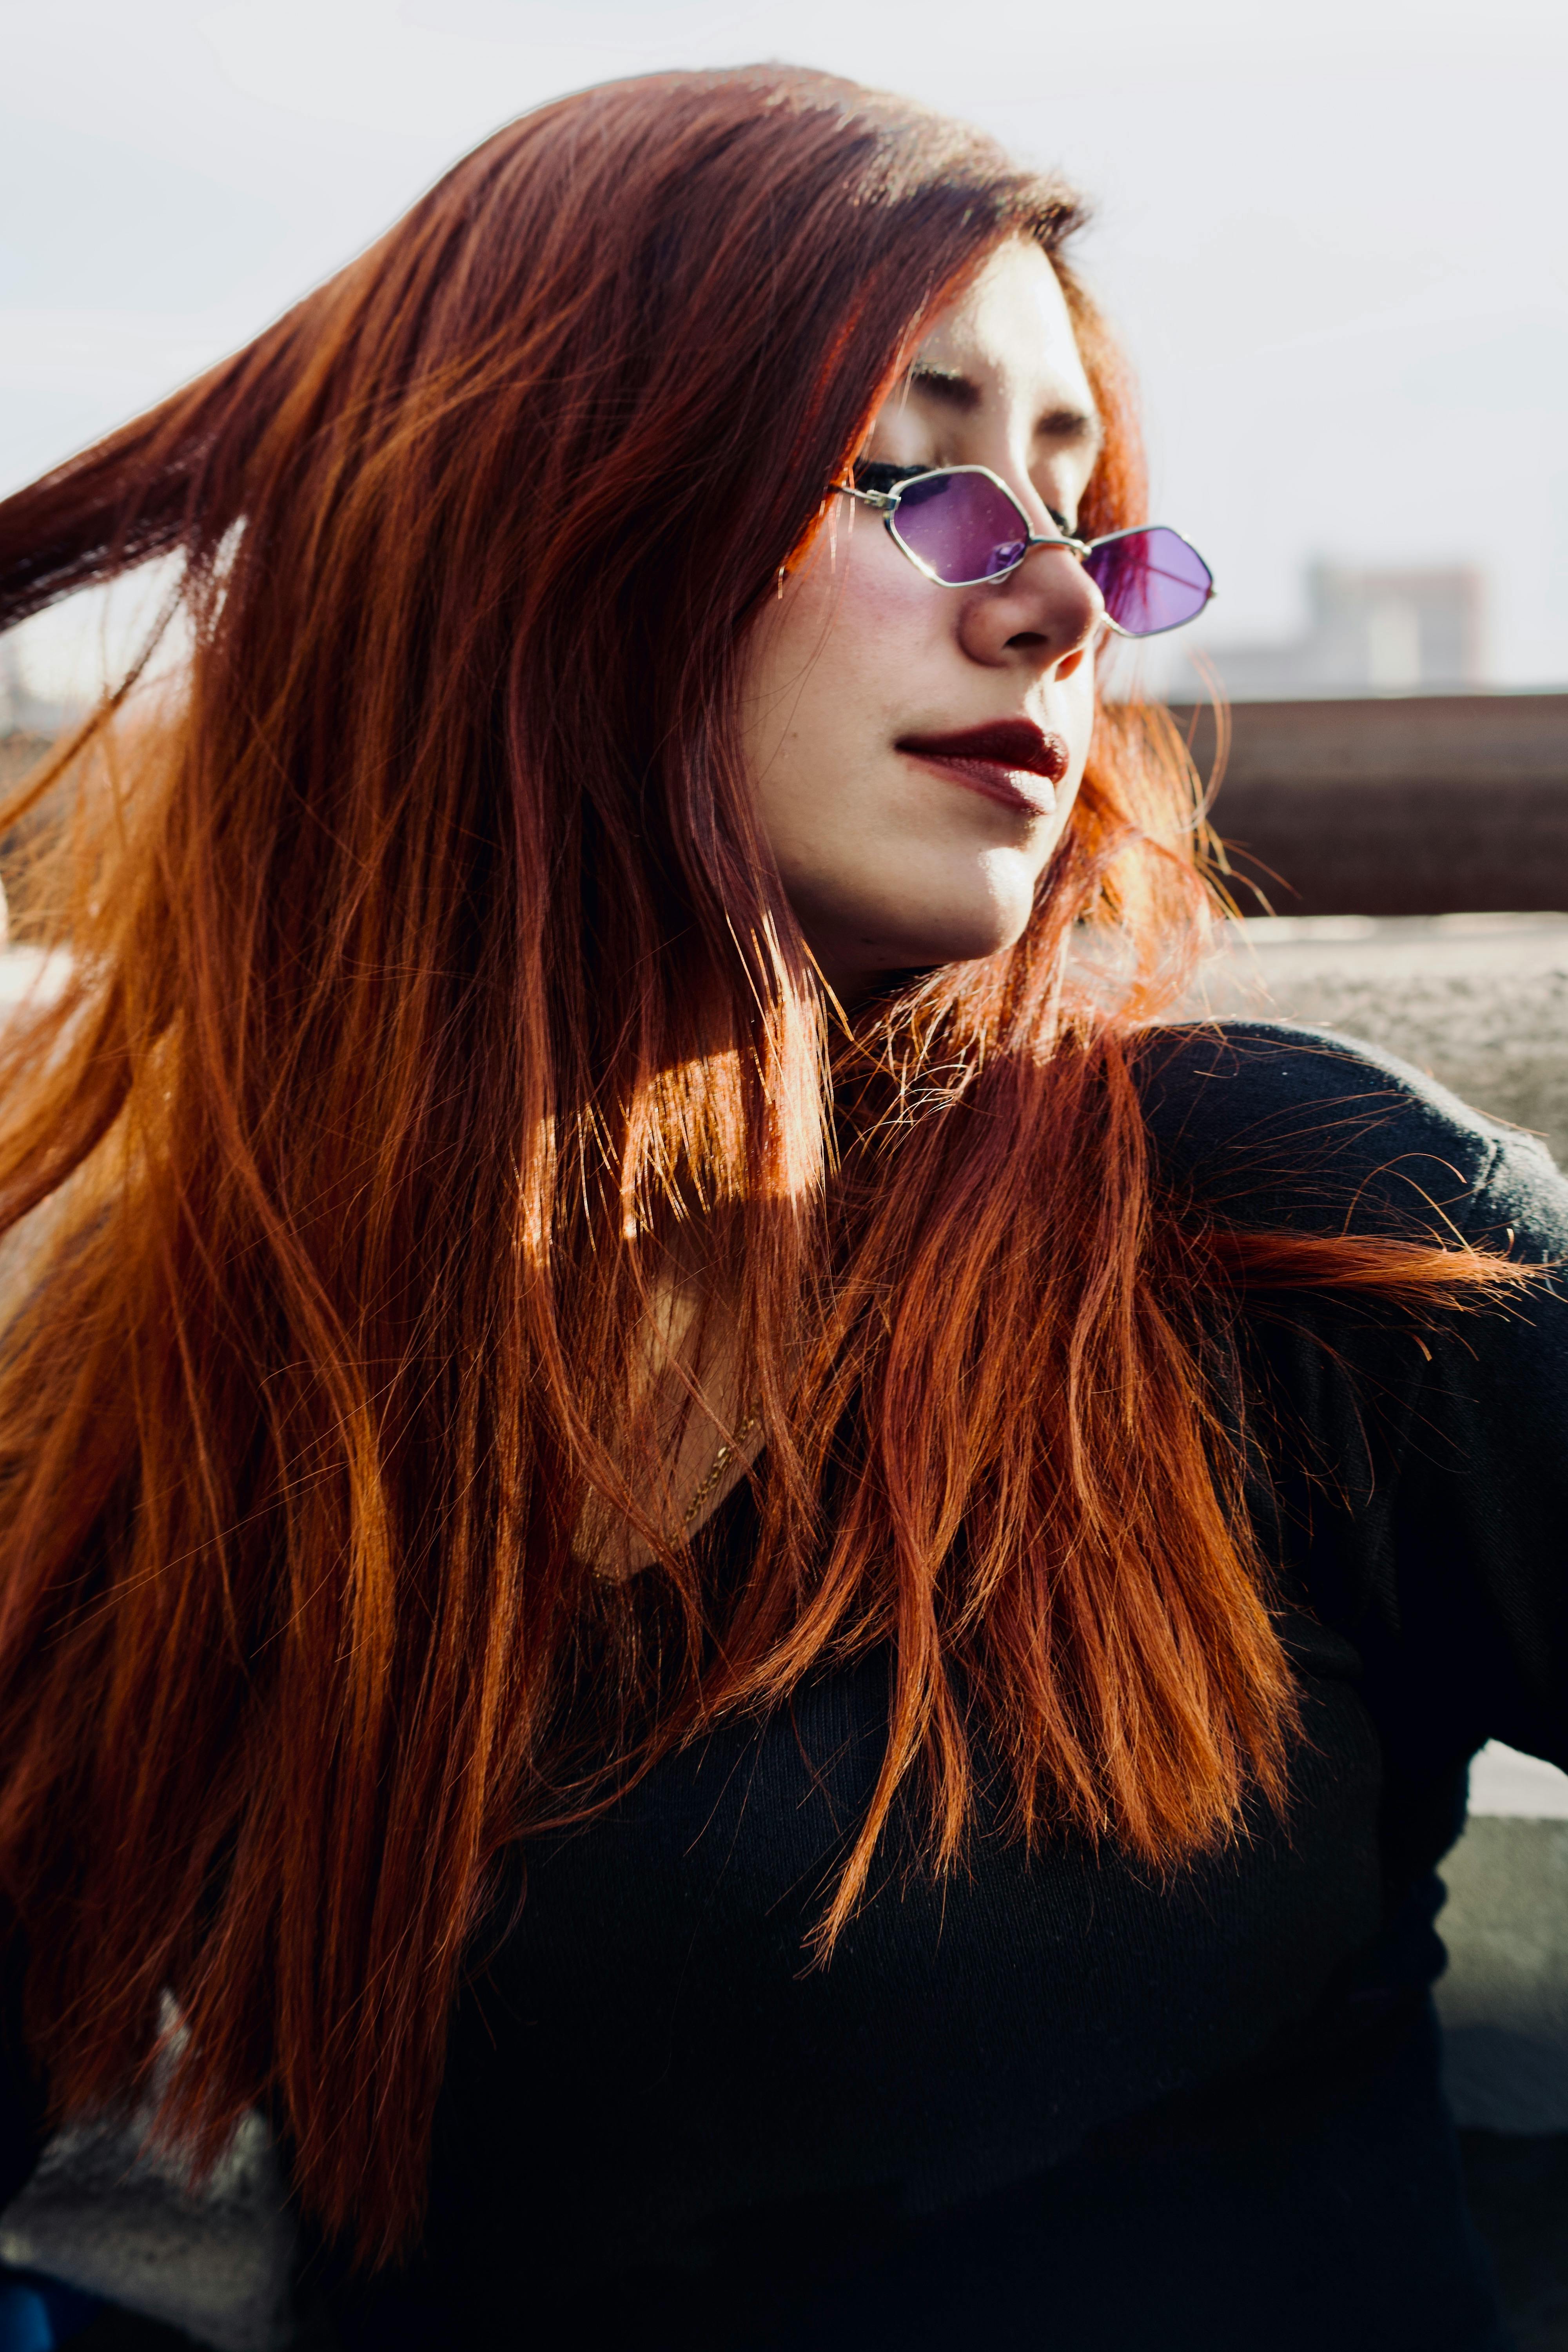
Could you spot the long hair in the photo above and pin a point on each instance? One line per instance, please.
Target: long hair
(431, 989)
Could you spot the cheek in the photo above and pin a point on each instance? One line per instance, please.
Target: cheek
(836, 663)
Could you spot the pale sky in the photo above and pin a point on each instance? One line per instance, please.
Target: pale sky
(1336, 239)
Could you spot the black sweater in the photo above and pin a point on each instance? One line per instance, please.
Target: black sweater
(1058, 2101)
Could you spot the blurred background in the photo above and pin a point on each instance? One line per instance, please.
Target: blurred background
(1335, 242)
(1332, 239)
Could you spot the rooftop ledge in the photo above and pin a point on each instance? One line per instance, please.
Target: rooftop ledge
(1480, 1000)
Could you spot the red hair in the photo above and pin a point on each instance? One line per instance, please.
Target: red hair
(428, 969)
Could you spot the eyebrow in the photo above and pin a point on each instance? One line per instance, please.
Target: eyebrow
(957, 390)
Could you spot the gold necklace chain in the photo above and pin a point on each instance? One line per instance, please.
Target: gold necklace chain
(721, 1461)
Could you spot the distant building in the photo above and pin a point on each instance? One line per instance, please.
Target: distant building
(1407, 632)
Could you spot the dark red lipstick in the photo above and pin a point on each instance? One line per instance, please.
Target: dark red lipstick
(1010, 759)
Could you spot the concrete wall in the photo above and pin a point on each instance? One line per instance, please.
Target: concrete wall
(1481, 1000)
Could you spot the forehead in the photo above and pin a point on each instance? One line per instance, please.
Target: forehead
(1010, 336)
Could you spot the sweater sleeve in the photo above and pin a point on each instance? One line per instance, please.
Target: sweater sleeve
(1481, 1531)
(1414, 1482)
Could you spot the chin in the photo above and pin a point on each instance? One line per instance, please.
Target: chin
(927, 955)
(861, 941)
(972, 933)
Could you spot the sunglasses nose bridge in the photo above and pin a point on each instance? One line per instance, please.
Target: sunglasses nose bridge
(1077, 549)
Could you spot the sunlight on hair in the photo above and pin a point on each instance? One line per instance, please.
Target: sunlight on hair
(438, 1033)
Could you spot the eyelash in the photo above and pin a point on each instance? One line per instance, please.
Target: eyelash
(874, 473)
(877, 474)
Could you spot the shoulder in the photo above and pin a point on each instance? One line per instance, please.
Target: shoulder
(1268, 1123)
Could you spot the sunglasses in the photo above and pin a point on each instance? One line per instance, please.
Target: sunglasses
(961, 525)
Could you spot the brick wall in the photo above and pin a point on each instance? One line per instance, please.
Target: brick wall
(1419, 804)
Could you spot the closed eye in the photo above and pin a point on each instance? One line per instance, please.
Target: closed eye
(874, 473)
(877, 474)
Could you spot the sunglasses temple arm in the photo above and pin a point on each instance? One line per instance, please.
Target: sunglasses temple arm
(879, 500)
(885, 501)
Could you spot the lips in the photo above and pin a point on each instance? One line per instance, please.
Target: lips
(1010, 759)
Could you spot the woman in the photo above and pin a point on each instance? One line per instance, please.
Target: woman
(769, 1615)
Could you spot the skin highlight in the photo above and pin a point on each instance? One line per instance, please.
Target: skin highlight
(893, 859)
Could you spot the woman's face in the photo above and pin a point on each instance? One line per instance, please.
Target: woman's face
(898, 850)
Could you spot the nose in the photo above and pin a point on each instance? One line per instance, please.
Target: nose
(1045, 615)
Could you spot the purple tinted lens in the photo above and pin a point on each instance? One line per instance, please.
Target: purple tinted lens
(1151, 580)
(962, 527)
